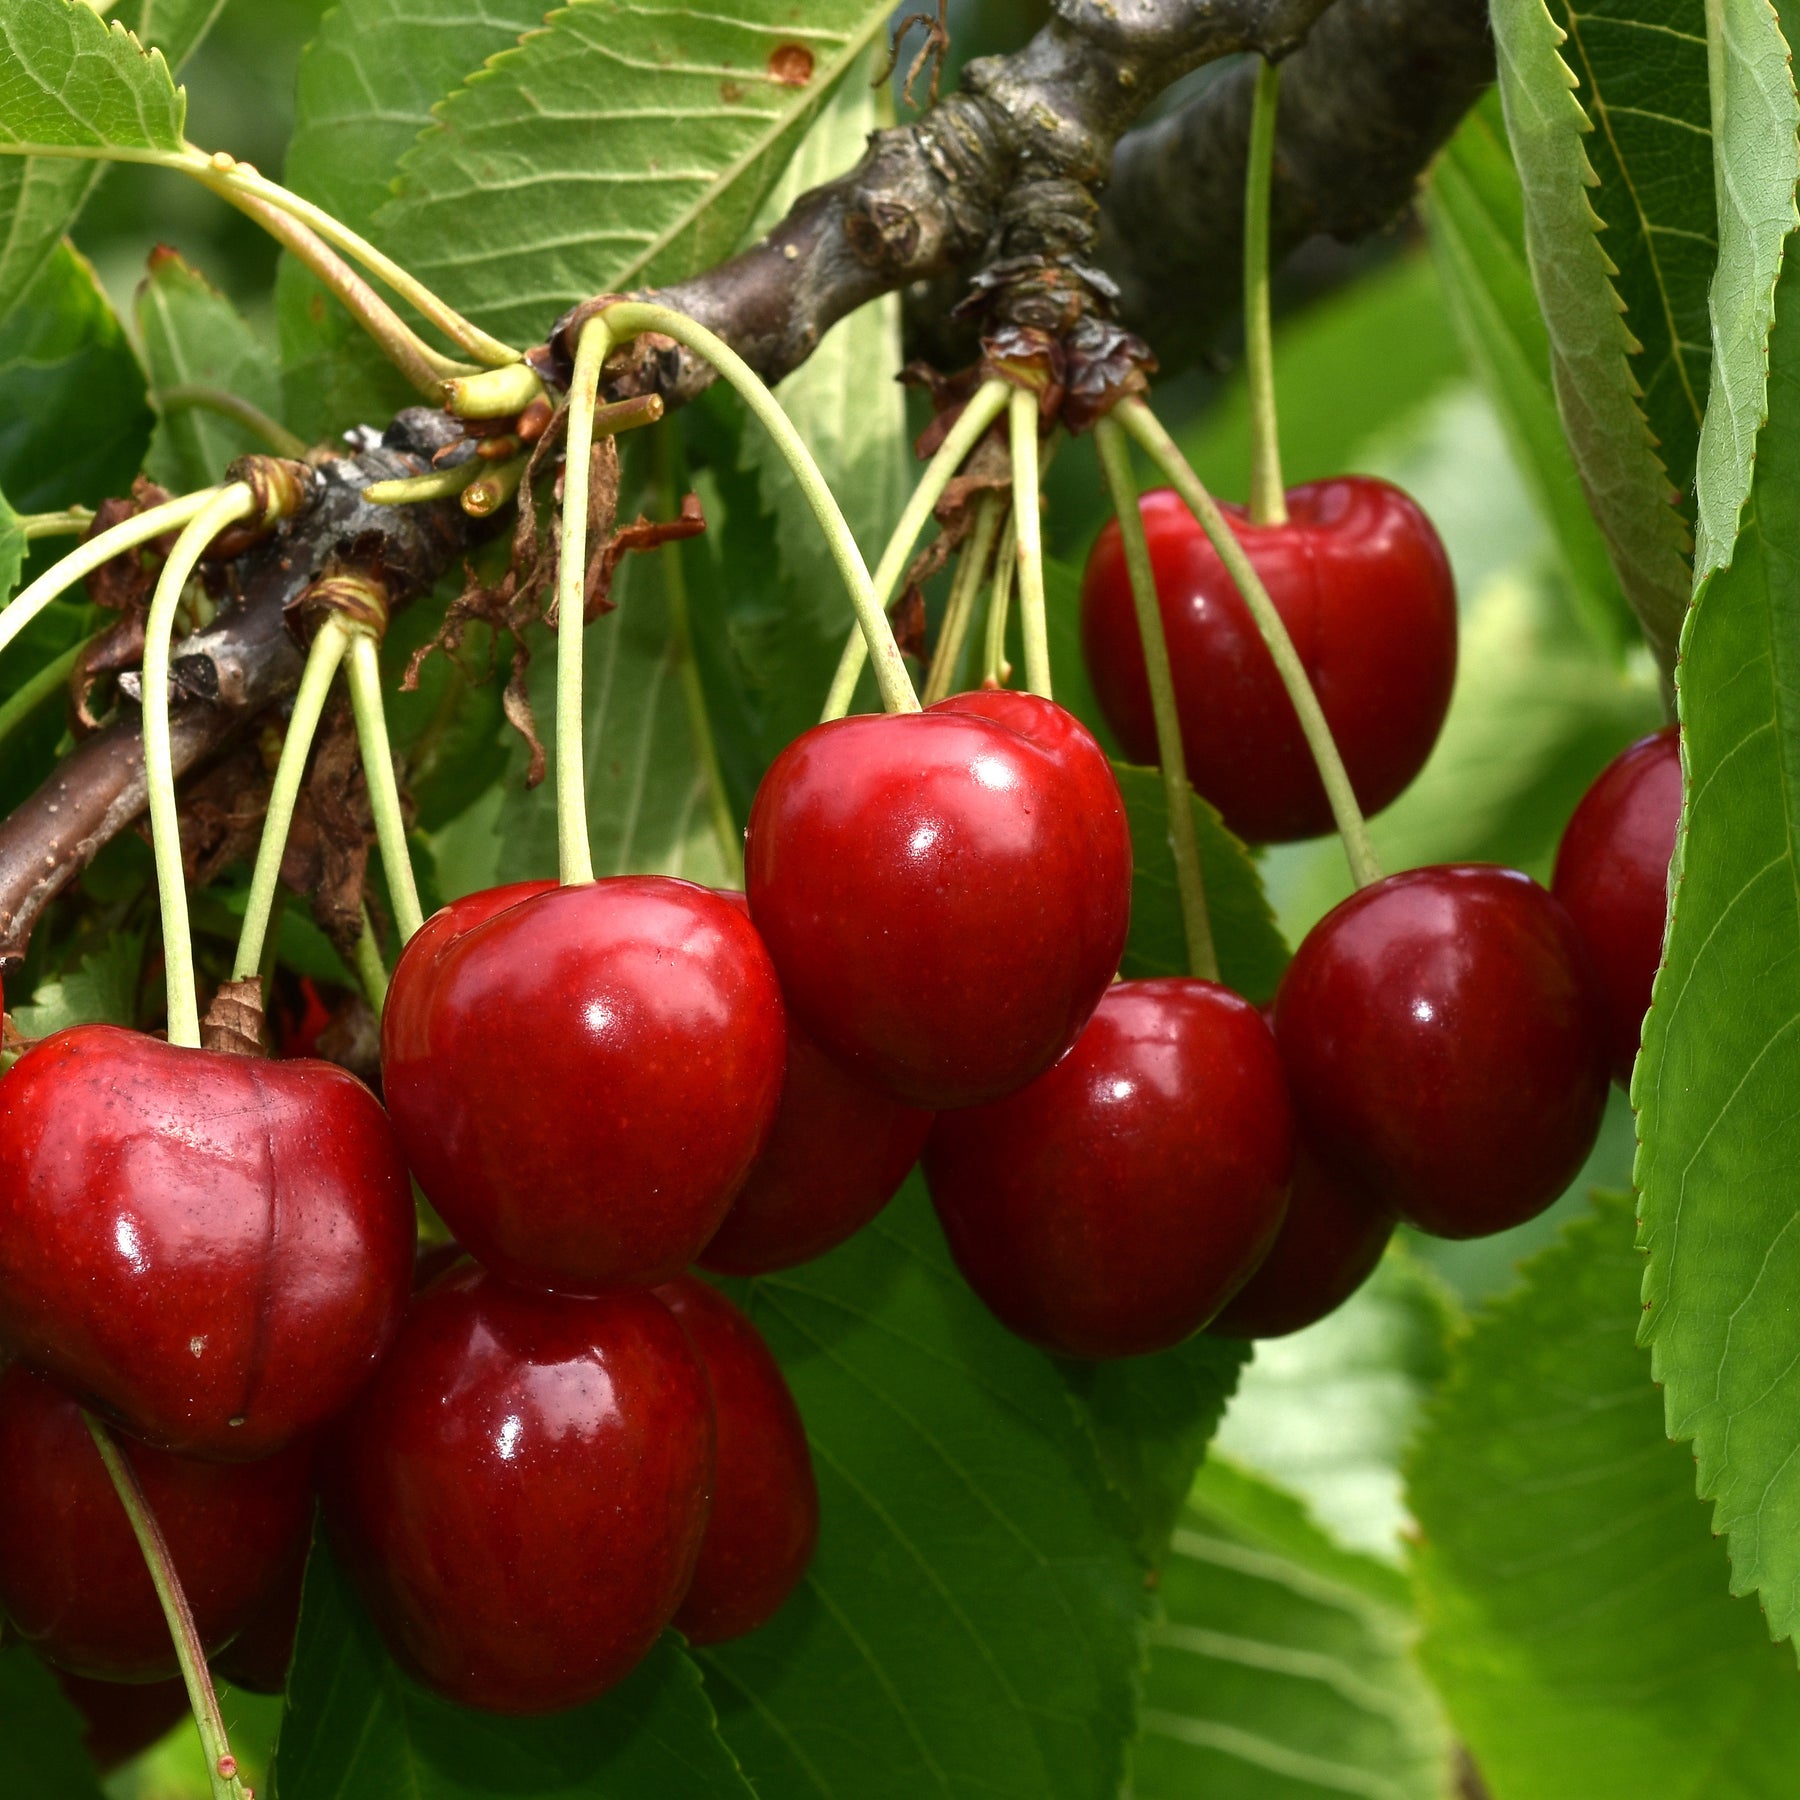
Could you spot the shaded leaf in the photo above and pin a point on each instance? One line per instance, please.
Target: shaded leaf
(101, 990)
(12, 549)
(175, 27)
(1577, 1620)
(42, 1735)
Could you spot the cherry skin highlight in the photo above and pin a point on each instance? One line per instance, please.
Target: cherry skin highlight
(944, 894)
(72, 1578)
(765, 1503)
(1612, 873)
(1362, 583)
(582, 1078)
(1443, 1040)
(520, 1494)
(1114, 1205)
(212, 1250)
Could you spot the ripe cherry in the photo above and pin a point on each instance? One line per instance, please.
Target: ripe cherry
(520, 1493)
(257, 1658)
(765, 1503)
(1442, 1036)
(1612, 873)
(1362, 583)
(1114, 1205)
(581, 1077)
(213, 1250)
(122, 1719)
(72, 1578)
(945, 894)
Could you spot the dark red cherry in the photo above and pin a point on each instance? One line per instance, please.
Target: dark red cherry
(582, 1078)
(945, 894)
(1364, 587)
(1114, 1205)
(837, 1155)
(122, 1719)
(72, 1578)
(1612, 873)
(213, 1250)
(520, 1493)
(765, 1502)
(257, 1658)
(1442, 1036)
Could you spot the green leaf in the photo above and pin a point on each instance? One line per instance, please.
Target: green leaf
(193, 335)
(12, 549)
(69, 79)
(618, 147)
(42, 1735)
(1281, 1668)
(358, 1727)
(1591, 348)
(1720, 1141)
(970, 1624)
(1327, 1412)
(101, 990)
(1476, 215)
(1757, 160)
(1577, 1623)
(73, 419)
(175, 27)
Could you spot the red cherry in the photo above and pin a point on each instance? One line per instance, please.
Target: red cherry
(213, 1249)
(582, 1078)
(520, 1494)
(72, 1578)
(945, 894)
(1612, 873)
(765, 1504)
(1114, 1205)
(122, 1719)
(1361, 582)
(257, 1658)
(1442, 1037)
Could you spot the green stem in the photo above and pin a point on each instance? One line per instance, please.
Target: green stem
(630, 317)
(371, 971)
(1029, 541)
(1143, 425)
(309, 704)
(30, 694)
(1115, 467)
(495, 486)
(85, 558)
(1268, 500)
(983, 408)
(971, 567)
(227, 506)
(70, 522)
(995, 669)
(228, 405)
(440, 484)
(221, 1765)
(364, 667)
(494, 393)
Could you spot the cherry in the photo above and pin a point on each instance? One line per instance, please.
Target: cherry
(944, 894)
(837, 1155)
(122, 1719)
(765, 1504)
(1442, 1036)
(257, 1658)
(520, 1493)
(581, 1077)
(212, 1249)
(1612, 873)
(72, 1578)
(1362, 583)
(1114, 1205)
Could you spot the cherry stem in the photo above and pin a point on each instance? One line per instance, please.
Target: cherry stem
(322, 661)
(494, 393)
(628, 318)
(363, 665)
(1268, 499)
(70, 522)
(440, 484)
(983, 408)
(1028, 525)
(371, 971)
(1144, 426)
(1115, 466)
(226, 507)
(971, 568)
(186, 395)
(85, 558)
(221, 1765)
(996, 670)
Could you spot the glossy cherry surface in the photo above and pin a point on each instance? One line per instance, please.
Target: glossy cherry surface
(122, 1719)
(945, 894)
(1361, 580)
(1443, 1040)
(520, 1494)
(581, 1077)
(72, 1579)
(257, 1658)
(1612, 873)
(214, 1250)
(765, 1503)
(1114, 1205)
